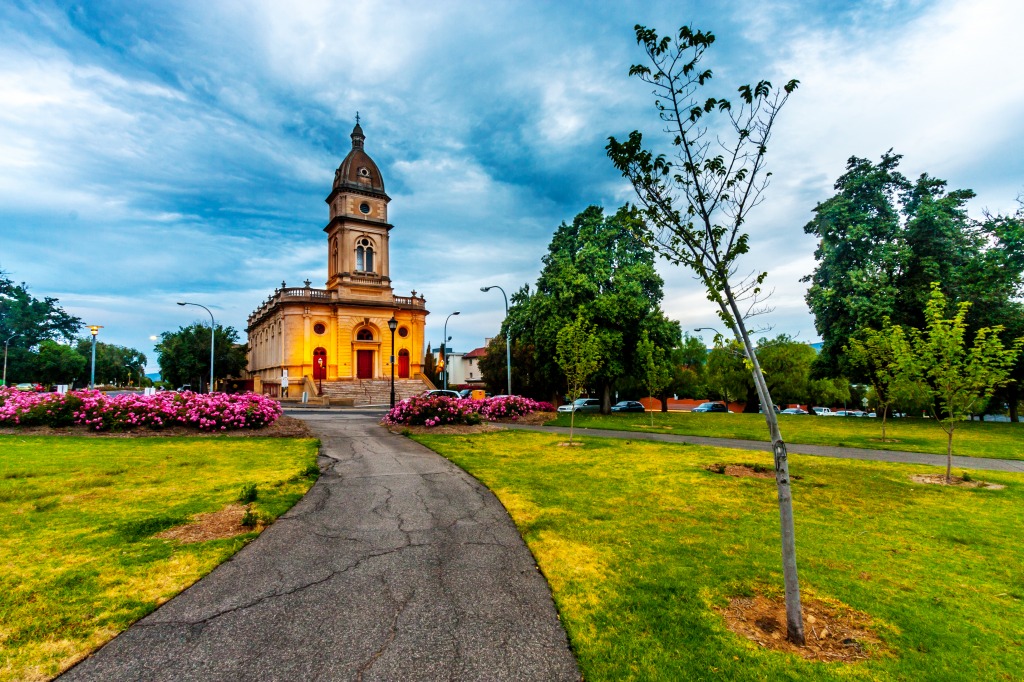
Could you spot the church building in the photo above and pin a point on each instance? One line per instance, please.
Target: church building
(341, 333)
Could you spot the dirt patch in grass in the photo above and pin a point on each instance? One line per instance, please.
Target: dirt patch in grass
(226, 523)
(833, 631)
(574, 444)
(284, 427)
(957, 481)
(741, 470)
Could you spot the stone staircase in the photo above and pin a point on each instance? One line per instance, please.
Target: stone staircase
(373, 391)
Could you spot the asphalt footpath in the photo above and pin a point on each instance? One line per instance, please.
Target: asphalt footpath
(397, 565)
(980, 463)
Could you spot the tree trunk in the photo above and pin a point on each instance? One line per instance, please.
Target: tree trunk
(794, 612)
(949, 455)
(664, 403)
(1014, 397)
(606, 398)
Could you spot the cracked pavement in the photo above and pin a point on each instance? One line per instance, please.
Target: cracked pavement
(397, 565)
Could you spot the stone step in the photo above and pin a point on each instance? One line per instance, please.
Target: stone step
(372, 391)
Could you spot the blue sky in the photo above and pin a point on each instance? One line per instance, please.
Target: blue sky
(155, 152)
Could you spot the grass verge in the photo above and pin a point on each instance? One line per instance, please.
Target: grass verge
(972, 439)
(78, 518)
(643, 548)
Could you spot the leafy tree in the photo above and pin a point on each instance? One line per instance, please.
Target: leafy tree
(955, 378)
(30, 321)
(688, 363)
(884, 239)
(184, 355)
(787, 368)
(597, 268)
(873, 352)
(579, 355)
(525, 375)
(727, 375)
(58, 363)
(657, 372)
(697, 203)
(430, 367)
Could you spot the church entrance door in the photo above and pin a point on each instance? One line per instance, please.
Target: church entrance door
(364, 364)
(319, 364)
(403, 364)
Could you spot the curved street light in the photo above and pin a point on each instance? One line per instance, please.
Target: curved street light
(444, 348)
(6, 343)
(213, 326)
(508, 337)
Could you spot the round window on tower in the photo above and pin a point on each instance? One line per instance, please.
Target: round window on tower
(364, 207)
(403, 332)
(364, 172)
(319, 328)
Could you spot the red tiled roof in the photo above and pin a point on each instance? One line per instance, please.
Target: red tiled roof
(476, 353)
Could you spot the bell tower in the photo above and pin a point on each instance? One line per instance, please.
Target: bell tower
(358, 231)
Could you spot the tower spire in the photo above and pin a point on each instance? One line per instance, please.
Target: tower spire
(357, 135)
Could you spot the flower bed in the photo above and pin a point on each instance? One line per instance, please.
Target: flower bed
(440, 410)
(203, 411)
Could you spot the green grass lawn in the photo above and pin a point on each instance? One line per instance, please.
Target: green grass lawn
(971, 439)
(77, 520)
(641, 545)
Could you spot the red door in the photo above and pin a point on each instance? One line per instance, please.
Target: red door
(319, 364)
(403, 364)
(364, 364)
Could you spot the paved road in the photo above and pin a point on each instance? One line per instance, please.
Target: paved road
(396, 566)
(984, 463)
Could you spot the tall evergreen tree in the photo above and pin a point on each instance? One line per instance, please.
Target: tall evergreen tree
(595, 266)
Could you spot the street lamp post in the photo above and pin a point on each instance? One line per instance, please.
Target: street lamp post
(6, 343)
(94, 329)
(213, 326)
(444, 348)
(392, 325)
(508, 337)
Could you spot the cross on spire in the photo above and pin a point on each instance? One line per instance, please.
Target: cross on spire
(357, 118)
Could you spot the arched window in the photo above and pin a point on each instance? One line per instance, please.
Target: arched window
(364, 255)
(364, 335)
(335, 265)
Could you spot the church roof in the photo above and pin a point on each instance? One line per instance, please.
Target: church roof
(358, 171)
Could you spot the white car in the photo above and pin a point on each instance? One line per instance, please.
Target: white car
(582, 405)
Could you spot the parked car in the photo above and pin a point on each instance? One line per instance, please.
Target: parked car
(710, 407)
(822, 411)
(440, 392)
(760, 410)
(185, 387)
(843, 413)
(794, 410)
(582, 405)
(628, 406)
(34, 388)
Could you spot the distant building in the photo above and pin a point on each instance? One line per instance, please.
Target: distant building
(464, 368)
(341, 333)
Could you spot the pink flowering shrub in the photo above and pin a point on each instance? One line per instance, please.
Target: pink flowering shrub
(206, 412)
(432, 411)
(437, 410)
(511, 407)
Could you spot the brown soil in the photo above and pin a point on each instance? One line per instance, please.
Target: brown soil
(574, 444)
(940, 479)
(284, 427)
(225, 523)
(833, 631)
(739, 471)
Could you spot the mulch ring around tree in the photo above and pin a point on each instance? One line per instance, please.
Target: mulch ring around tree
(957, 481)
(284, 427)
(832, 631)
(226, 523)
(742, 470)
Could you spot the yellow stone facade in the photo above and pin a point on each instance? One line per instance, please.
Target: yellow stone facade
(341, 332)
